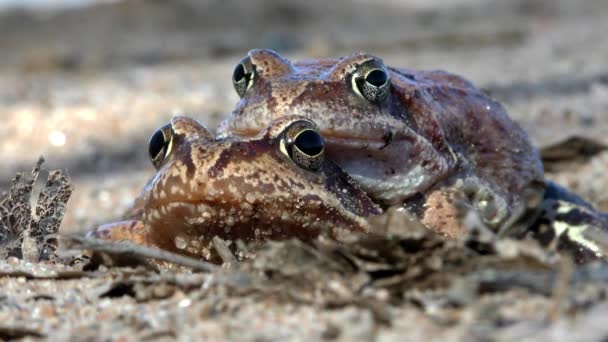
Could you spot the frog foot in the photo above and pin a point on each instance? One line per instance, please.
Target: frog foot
(130, 230)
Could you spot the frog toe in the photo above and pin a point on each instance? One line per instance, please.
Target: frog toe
(131, 230)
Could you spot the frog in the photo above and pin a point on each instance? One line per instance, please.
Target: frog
(429, 141)
(275, 185)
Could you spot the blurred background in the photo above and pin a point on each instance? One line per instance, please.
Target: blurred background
(85, 83)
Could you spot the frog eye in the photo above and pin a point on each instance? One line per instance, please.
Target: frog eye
(243, 76)
(160, 145)
(304, 145)
(371, 81)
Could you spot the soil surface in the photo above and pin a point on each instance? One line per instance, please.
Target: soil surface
(86, 87)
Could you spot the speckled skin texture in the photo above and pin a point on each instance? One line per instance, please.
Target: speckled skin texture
(435, 138)
(247, 189)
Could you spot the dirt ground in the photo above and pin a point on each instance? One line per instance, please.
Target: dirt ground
(86, 87)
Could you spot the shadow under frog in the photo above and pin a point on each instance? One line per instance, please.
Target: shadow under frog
(275, 185)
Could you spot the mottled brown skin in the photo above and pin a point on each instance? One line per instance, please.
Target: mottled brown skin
(435, 143)
(248, 189)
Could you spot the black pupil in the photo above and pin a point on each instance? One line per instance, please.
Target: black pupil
(309, 142)
(376, 78)
(157, 143)
(239, 73)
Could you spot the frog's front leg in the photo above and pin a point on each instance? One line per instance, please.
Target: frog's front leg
(444, 208)
(131, 230)
(440, 210)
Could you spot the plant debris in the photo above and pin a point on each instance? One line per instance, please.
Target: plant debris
(506, 282)
(570, 153)
(449, 284)
(32, 235)
(125, 253)
(13, 333)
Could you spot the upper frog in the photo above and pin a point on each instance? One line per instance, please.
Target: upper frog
(275, 185)
(426, 139)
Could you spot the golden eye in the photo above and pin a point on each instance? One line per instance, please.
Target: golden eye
(371, 81)
(243, 76)
(304, 145)
(160, 145)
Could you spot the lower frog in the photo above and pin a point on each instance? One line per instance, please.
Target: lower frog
(275, 185)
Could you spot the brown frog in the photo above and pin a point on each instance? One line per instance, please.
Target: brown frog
(275, 185)
(427, 139)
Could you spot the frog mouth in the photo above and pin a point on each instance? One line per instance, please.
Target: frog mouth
(357, 142)
(376, 139)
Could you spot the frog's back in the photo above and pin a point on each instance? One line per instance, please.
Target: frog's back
(477, 128)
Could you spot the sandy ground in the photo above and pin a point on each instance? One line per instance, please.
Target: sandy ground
(86, 88)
